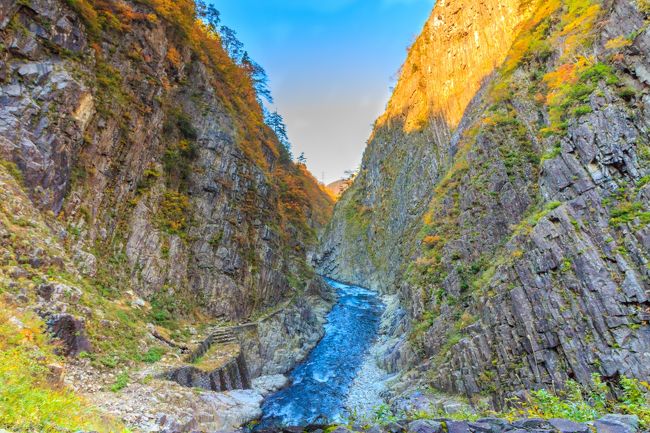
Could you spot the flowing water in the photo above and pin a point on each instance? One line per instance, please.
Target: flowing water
(321, 382)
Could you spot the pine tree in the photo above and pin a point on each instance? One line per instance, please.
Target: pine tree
(259, 78)
(209, 14)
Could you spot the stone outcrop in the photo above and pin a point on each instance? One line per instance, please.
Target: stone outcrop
(143, 198)
(517, 240)
(70, 332)
(607, 424)
(233, 375)
(159, 161)
(460, 46)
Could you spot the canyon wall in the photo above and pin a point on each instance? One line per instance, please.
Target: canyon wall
(144, 203)
(504, 198)
(414, 141)
(131, 125)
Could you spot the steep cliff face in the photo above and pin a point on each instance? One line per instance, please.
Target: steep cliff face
(516, 236)
(413, 143)
(460, 46)
(144, 200)
(130, 122)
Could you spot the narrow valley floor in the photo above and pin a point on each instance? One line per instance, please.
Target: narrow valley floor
(321, 383)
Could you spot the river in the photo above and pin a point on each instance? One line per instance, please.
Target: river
(320, 384)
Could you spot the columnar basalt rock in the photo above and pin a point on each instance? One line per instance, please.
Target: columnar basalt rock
(459, 48)
(518, 242)
(144, 198)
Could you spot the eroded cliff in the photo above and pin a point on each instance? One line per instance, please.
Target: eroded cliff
(132, 124)
(507, 206)
(145, 200)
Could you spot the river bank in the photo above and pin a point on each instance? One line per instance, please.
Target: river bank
(321, 383)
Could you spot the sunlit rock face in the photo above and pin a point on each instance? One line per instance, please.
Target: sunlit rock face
(462, 43)
(496, 198)
(412, 143)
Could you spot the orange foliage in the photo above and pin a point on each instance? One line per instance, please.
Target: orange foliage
(431, 240)
(174, 56)
(563, 74)
(301, 199)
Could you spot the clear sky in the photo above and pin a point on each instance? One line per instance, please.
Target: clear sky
(330, 65)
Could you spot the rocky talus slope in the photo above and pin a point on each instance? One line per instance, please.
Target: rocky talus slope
(504, 197)
(144, 200)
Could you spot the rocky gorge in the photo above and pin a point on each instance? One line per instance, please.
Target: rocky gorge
(162, 257)
(504, 224)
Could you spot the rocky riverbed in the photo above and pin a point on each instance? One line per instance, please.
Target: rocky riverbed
(613, 423)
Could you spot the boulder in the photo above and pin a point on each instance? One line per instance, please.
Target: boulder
(70, 332)
(497, 424)
(479, 427)
(424, 426)
(394, 427)
(457, 427)
(341, 429)
(566, 426)
(612, 426)
(268, 384)
(56, 292)
(532, 423)
(630, 420)
(314, 428)
(617, 424)
(294, 429)
(234, 408)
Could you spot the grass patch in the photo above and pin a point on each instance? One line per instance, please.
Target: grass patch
(153, 355)
(13, 170)
(29, 401)
(121, 382)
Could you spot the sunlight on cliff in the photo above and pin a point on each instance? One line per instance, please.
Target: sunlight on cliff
(460, 46)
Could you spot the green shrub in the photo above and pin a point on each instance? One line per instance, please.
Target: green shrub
(552, 153)
(29, 402)
(121, 382)
(626, 93)
(636, 400)
(173, 212)
(13, 170)
(598, 72)
(579, 405)
(582, 110)
(153, 355)
(627, 212)
(180, 121)
(573, 402)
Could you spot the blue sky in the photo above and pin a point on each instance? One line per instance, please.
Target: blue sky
(330, 64)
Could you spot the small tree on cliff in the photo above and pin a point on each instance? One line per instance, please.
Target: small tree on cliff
(233, 46)
(258, 77)
(275, 121)
(209, 14)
